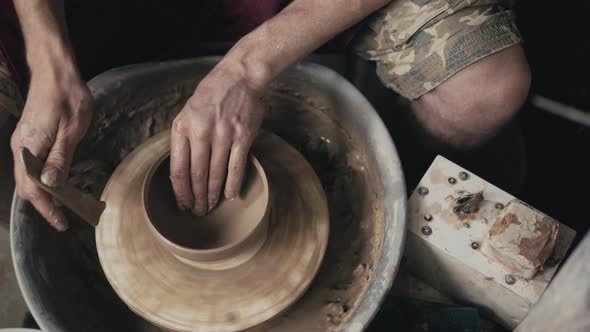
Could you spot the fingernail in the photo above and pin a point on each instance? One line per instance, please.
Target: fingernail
(182, 207)
(212, 204)
(51, 177)
(62, 225)
(199, 212)
(230, 196)
(58, 220)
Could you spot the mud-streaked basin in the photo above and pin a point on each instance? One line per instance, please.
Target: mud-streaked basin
(310, 106)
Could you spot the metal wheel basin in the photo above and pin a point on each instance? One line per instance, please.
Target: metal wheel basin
(314, 109)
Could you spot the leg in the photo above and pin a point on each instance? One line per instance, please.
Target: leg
(464, 74)
(472, 106)
(468, 118)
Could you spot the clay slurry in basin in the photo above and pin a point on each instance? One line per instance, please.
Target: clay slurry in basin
(229, 223)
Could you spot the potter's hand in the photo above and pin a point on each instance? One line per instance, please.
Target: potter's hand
(56, 116)
(214, 131)
(211, 138)
(58, 107)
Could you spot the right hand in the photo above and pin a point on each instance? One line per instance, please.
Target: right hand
(56, 116)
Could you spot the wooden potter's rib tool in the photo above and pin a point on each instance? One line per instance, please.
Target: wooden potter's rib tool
(84, 205)
(260, 255)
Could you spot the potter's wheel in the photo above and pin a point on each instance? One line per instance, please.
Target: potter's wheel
(316, 111)
(185, 297)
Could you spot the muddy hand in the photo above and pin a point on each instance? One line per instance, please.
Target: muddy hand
(56, 115)
(211, 138)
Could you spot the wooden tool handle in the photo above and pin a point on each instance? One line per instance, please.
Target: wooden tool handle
(84, 205)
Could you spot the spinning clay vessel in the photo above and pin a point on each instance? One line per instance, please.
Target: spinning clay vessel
(313, 109)
(245, 262)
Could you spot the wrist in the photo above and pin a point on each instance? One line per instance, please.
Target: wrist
(248, 66)
(54, 62)
(50, 54)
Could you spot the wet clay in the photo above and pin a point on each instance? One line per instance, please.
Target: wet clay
(304, 117)
(228, 223)
(522, 238)
(206, 289)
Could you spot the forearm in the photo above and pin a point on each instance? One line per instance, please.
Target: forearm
(295, 32)
(45, 33)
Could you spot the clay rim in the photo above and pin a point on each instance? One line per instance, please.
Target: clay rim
(379, 142)
(160, 237)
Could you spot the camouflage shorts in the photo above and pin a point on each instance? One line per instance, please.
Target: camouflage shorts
(418, 44)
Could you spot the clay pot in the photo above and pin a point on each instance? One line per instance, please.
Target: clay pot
(239, 266)
(228, 236)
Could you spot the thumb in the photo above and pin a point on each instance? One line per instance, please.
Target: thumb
(58, 161)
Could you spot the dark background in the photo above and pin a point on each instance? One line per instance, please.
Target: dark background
(558, 168)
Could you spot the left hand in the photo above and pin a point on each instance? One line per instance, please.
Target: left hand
(211, 138)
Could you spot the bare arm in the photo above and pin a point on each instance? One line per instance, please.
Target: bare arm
(45, 33)
(57, 111)
(295, 32)
(213, 133)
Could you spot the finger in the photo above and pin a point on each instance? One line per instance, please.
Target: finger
(217, 170)
(54, 216)
(180, 171)
(57, 165)
(56, 202)
(236, 168)
(42, 202)
(38, 143)
(200, 154)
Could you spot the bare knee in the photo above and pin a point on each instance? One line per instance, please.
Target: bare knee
(470, 107)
